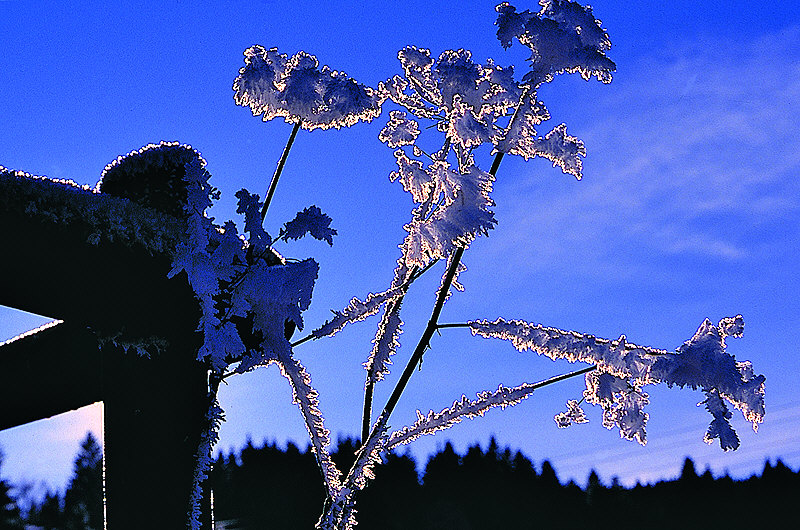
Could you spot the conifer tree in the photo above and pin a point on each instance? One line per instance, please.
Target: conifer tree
(83, 500)
(9, 511)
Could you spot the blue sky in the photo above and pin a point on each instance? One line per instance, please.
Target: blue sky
(688, 209)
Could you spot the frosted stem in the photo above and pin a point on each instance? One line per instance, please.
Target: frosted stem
(424, 341)
(433, 323)
(274, 182)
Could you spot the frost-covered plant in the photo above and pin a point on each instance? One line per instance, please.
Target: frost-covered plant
(252, 298)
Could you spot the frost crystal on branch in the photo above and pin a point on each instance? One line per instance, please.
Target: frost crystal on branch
(573, 414)
(356, 311)
(295, 88)
(464, 408)
(622, 369)
(307, 400)
(214, 418)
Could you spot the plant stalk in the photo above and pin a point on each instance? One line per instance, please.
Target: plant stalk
(274, 182)
(433, 323)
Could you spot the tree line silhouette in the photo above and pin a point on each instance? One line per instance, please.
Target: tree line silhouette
(275, 488)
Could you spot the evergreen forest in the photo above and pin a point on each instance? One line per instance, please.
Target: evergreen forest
(270, 487)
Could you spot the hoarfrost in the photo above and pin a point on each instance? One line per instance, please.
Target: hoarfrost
(623, 368)
(297, 89)
(563, 37)
(573, 414)
(310, 221)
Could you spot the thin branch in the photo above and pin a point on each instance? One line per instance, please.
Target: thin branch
(456, 325)
(433, 323)
(274, 182)
(301, 341)
(562, 377)
(424, 341)
(464, 408)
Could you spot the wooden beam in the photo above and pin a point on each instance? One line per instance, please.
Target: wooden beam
(100, 263)
(54, 371)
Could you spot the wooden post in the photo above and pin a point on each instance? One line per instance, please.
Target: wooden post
(100, 264)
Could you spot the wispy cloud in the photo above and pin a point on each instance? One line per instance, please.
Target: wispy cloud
(691, 153)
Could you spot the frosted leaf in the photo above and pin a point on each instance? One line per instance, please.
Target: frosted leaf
(732, 326)
(296, 88)
(274, 294)
(258, 83)
(457, 75)
(413, 176)
(418, 67)
(250, 205)
(720, 426)
(357, 311)
(310, 221)
(702, 362)
(563, 37)
(601, 387)
(466, 98)
(572, 15)
(628, 415)
(229, 253)
(399, 131)
(749, 395)
(520, 135)
(464, 128)
(399, 90)
(503, 93)
(562, 150)
(573, 414)
(464, 408)
(221, 342)
(457, 222)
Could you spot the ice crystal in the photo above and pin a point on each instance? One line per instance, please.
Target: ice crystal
(297, 89)
(573, 414)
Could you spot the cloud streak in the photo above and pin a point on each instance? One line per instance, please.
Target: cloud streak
(690, 154)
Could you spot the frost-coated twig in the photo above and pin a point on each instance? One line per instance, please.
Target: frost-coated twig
(307, 400)
(386, 343)
(424, 341)
(502, 397)
(433, 322)
(274, 182)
